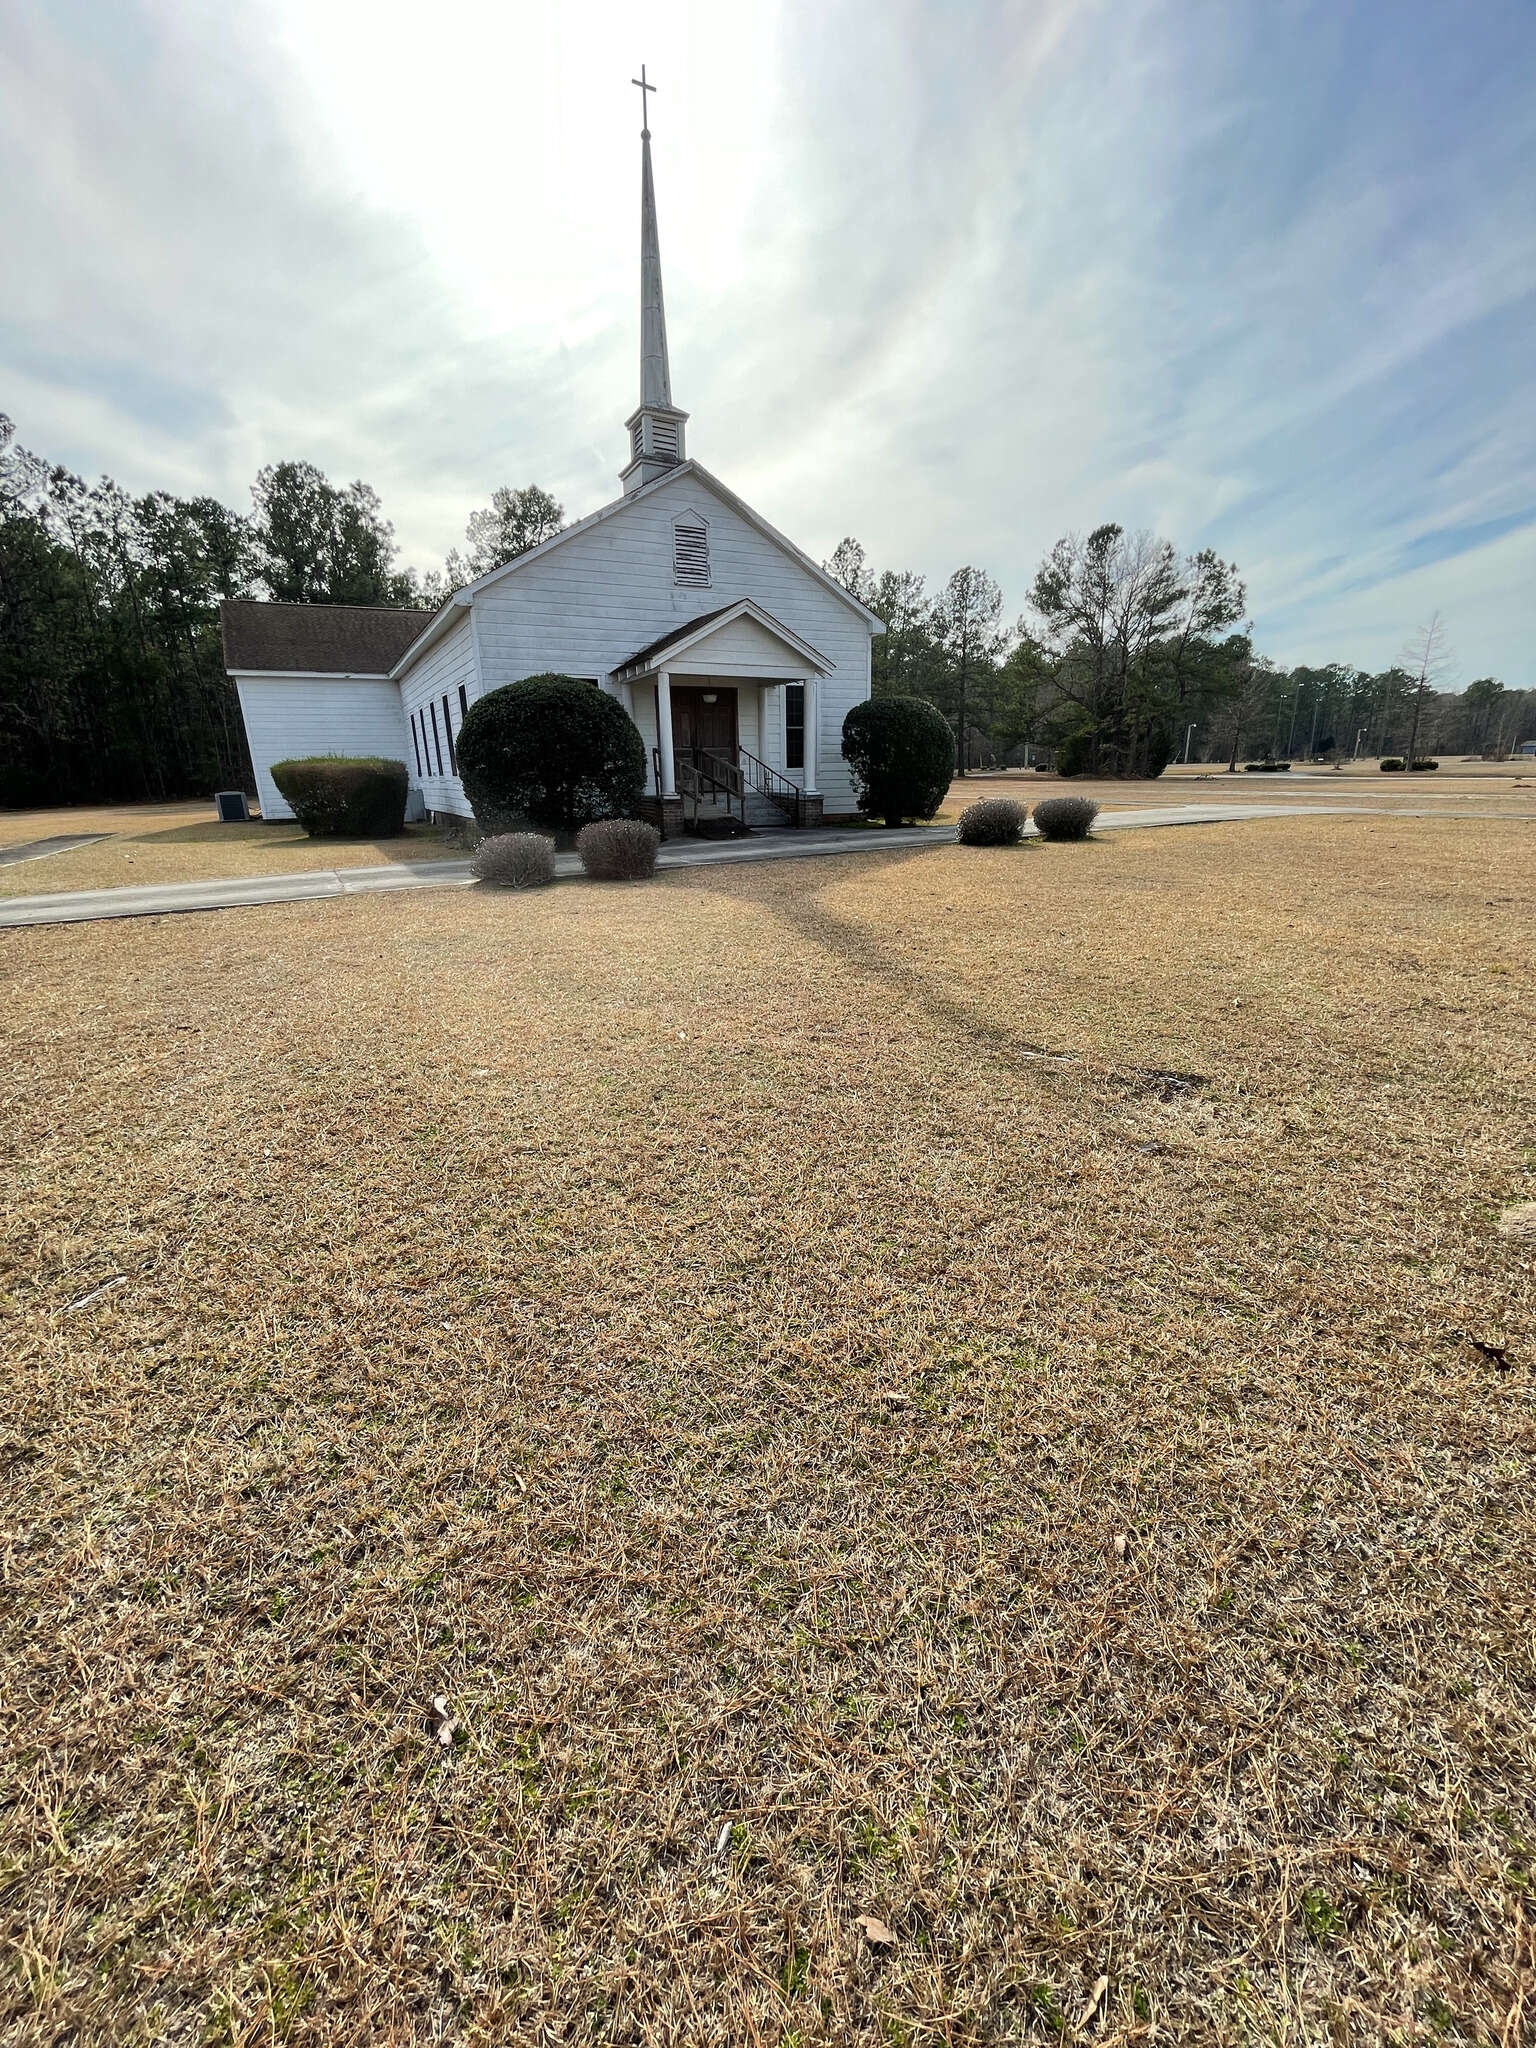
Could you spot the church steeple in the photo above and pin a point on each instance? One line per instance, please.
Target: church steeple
(656, 426)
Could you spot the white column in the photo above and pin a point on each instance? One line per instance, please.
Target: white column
(664, 733)
(812, 783)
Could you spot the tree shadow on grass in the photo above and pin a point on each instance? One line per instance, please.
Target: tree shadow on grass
(858, 950)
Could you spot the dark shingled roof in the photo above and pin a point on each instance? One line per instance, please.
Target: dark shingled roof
(644, 655)
(317, 639)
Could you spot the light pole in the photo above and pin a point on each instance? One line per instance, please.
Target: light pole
(1188, 731)
(1359, 736)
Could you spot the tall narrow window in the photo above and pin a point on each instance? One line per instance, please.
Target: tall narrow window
(453, 759)
(690, 552)
(794, 725)
(463, 704)
(416, 743)
(437, 742)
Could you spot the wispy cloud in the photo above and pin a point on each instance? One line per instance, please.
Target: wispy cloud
(952, 279)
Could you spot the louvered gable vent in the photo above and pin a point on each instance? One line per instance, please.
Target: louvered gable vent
(690, 553)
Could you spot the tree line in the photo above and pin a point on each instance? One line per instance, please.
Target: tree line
(1129, 655)
(112, 683)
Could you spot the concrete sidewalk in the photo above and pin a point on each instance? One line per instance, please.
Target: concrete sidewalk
(171, 899)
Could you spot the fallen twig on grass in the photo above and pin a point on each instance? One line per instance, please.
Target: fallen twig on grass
(96, 1293)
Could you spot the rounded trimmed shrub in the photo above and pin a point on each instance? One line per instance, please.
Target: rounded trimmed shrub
(1065, 817)
(1392, 764)
(339, 796)
(618, 849)
(515, 860)
(1418, 767)
(551, 751)
(994, 821)
(902, 756)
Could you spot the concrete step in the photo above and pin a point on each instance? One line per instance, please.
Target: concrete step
(763, 814)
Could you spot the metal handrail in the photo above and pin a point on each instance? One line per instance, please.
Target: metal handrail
(696, 769)
(770, 783)
(693, 780)
(721, 769)
(723, 775)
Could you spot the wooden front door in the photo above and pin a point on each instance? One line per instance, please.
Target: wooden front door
(703, 720)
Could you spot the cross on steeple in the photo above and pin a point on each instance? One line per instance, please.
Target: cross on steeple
(646, 90)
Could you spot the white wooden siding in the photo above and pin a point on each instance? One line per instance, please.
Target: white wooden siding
(589, 604)
(740, 643)
(449, 662)
(749, 724)
(642, 709)
(289, 717)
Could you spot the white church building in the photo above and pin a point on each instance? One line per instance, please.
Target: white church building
(736, 656)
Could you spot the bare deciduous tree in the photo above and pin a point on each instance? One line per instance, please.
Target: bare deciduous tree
(849, 567)
(1428, 656)
(510, 525)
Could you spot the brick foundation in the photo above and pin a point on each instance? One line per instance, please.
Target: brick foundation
(665, 813)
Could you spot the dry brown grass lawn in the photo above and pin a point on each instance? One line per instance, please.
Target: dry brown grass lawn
(832, 1460)
(150, 843)
(1470, 786)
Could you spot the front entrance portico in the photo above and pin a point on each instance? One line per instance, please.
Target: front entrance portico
(730, 703)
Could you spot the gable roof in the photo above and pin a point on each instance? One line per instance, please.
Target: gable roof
(739, 505)
(642, 655)
(693, 630)
(316, 639)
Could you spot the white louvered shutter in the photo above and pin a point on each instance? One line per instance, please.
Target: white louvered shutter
(690, 553)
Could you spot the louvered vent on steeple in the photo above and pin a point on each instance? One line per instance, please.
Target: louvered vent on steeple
(690, 552)
(656, 442)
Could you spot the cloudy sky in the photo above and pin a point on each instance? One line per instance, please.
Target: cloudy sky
(954, 276)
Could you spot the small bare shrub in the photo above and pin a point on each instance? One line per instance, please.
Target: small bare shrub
(995, 821)
(1065, 817)
(515, 860)
(618, 849)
